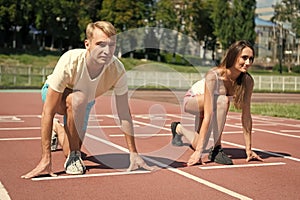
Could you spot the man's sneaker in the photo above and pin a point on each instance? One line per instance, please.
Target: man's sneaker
(54, 141)
(176, 139)
(74, 164)
(216, 154)
(54, 137)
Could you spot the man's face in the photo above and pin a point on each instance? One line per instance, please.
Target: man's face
(101, 48)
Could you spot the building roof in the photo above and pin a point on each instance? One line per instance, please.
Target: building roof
(261, 22)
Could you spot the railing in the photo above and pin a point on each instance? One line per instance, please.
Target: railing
(34, 77)
(23, 76)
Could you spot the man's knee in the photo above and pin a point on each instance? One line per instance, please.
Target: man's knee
(76, 101)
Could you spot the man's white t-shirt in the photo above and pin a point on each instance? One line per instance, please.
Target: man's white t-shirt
(71, 72)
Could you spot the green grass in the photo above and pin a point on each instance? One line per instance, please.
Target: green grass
(49, 59)
(27, 60)
(285, 110)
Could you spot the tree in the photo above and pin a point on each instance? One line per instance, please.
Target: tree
(288, 11)
(15, 18)
(244, 24)
(234, 20)
(125, 14)
(87, 13)
(166, 14)
(202, 23)
(223, 22)
(59, 20)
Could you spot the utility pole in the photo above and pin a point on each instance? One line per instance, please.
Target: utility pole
(281, 48)
(298, 50)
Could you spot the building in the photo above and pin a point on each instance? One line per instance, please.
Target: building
(275, 42)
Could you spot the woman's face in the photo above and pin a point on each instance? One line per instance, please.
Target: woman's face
(244, 60)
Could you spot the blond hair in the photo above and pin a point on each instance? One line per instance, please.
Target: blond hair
(106, 27)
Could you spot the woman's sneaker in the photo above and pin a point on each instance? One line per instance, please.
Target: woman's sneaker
(74, 164)
(217, 155)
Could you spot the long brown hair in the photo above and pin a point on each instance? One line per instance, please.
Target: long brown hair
(229, 60)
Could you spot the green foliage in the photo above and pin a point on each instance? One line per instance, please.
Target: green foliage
(276, 68)
(202, 25)
(222, 22)
(39, 59)
(288, 11)
(62, 22)
(233, 20)
(125, 14)
(244, 25)
(166, 14)
(296, 69)
(286, 110)
(277, 110)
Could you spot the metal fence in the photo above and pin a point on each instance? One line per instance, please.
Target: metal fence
(23, 76)
(185, 80)
(34, 77)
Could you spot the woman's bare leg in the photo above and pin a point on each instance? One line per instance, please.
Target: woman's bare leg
(194, 106)
(221, 113)
(188, 134)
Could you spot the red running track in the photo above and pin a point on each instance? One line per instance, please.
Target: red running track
(277, 140)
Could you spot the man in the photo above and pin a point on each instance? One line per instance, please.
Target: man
(79, 77)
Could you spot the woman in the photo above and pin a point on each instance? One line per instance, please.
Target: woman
(209, 101)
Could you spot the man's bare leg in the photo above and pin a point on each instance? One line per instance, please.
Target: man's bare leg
(76, 107)
(63, 140)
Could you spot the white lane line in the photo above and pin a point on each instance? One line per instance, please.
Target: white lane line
(266, 131)
(165, 134)
(10, 119)
(108, 126)
(188, 117)
(143, 123)
(258, 124)
(107, 142)
(276, 133)
(210, 184)
(263, 151)
(37, 128)
(20, 128)
(185, 174)
(272, 122)
(290, 131)
(241, 166)
(3, 193)
(143, 135)
(89, 175)
(20, 139)
(232, 132)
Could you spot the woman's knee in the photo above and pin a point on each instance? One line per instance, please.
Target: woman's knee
(223, 102)
(193, 105)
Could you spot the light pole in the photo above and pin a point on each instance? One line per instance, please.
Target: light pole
(281, 48)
